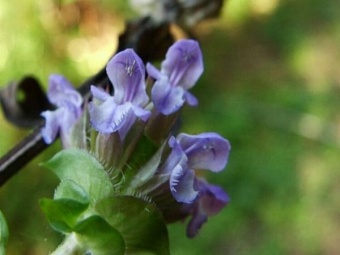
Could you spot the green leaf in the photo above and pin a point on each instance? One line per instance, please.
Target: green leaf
(70, 190)
(140, 223)
(99, 237)
(83, 169)
(62, 214)
(3, 234)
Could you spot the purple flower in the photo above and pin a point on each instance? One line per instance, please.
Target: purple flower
(109, 113)
(210, 201)
(179, 72)
(204, 151)
(68, 101)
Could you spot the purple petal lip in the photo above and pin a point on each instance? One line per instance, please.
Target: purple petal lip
(210, 201)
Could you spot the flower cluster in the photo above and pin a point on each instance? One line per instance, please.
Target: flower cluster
(131, 133)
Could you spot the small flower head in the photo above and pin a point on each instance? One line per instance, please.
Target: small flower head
(68, 101)
(108, 114)
(141, 164)
(179, 72)
(189, 152)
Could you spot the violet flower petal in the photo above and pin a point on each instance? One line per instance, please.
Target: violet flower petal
(195, 224)
(127, 74)
(130, 118)
(69, 101)
(176, 157)
(167, 99)
(183, 63)
(181, 179)
(182, 184)
(99, 93)
(52, 123)
(180, 70)
(62, 120)
(141, 113)
(153, 71)
(118, 113)
(61, 91)
(189, 152)
(205, 151)
(108, 116)
(190, 99)
(210, 201)
(214, 198)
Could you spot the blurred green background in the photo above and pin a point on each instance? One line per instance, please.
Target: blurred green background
(271, 86)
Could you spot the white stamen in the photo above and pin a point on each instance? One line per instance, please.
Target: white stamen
(130, 67)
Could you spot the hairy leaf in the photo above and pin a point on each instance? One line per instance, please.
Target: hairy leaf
(83, 169)
(62, 214)
(99, 237)
(140, 223)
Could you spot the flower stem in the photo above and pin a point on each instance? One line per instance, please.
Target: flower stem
(70, 246)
